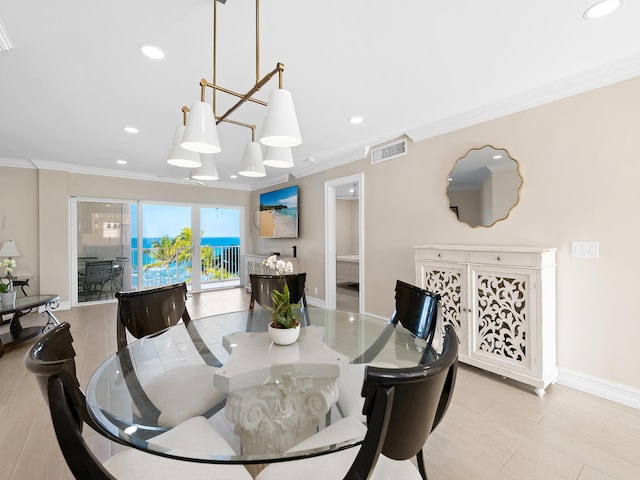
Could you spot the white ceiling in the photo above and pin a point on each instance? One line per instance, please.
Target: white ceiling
(418, 67)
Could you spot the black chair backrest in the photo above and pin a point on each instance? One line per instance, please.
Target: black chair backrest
(150, 311)
(51, 359)
(401, 406)
(416, 310)
(263, 285)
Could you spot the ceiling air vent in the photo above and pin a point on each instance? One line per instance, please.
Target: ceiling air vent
(389, 151)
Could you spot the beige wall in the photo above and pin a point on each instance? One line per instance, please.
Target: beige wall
(40, 223)
(346, 227)
(578, 158)
(19, 218)
(579, 161)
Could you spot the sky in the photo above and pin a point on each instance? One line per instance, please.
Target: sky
(286, 196)
(169, 220)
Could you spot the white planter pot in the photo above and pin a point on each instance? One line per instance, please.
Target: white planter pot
(8, 299)
(284, 336)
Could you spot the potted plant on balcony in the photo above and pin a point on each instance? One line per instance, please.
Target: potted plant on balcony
(284, 328)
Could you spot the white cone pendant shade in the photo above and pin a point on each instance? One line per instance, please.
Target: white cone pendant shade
(180, 157)
(252, 165)
(201, 134)
(280, 128)
(278, 157)
(207, 171)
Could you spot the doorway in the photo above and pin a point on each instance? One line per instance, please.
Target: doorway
(344, 243)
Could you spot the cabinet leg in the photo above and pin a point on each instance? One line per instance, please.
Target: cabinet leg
(540, 392)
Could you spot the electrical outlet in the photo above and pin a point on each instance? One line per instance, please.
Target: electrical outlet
(315, 290)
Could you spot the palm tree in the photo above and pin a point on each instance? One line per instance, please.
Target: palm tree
(183, 245)
(163, 252)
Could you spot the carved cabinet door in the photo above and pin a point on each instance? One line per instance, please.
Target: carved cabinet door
(449, 280)
(503, 317)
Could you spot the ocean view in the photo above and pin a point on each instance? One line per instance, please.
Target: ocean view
(226, 248)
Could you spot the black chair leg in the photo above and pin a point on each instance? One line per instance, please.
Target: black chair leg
(420, 459)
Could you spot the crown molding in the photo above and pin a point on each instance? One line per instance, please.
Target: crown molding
(333, 161)
(608, 74)
(105, 172)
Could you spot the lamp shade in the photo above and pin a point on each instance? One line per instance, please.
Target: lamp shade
(278, 157)
(251, 165)
(280, 127)
(10, 249)
(201, 134)
(207, 171)
(179, 156)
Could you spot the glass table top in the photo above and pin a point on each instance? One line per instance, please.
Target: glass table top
(271, 396)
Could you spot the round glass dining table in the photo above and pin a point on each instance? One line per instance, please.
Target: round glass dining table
(273, 396)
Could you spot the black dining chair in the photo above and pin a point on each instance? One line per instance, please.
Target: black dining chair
(52, 360)
(263, 285)
(417, 311)
(401, 407)
(176, 394)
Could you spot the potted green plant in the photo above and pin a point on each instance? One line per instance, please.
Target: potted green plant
(284, 327)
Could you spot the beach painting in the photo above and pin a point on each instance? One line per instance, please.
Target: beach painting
(279, 213)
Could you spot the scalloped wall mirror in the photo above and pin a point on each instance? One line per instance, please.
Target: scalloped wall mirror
(484, 186)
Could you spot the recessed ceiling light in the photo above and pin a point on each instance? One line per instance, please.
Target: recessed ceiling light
(121, 162)
(131, 129)
(356, 120)
(233, 176)
(601, 9)
(152, 52)
(496, 157)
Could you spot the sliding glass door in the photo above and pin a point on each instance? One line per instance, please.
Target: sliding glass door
(134, 245)
(219, 246)
(104, 249)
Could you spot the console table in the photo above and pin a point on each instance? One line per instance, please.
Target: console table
(17, 333)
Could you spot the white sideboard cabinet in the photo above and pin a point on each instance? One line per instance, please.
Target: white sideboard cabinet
(501, 302)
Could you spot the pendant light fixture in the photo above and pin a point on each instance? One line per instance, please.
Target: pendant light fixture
(181, 157)
(251, 165)
(278, 157)
(280, 128)
(207, 171)
(200, 133)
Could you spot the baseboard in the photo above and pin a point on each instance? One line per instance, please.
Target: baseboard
(315, 302)
(615, 392)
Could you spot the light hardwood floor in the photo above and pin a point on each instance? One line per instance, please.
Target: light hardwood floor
(493, 430)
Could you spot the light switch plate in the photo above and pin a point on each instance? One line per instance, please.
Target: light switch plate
(585, 249)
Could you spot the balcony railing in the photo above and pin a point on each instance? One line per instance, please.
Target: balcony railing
(166, 266)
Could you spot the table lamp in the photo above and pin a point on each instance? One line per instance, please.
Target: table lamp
(10, 249)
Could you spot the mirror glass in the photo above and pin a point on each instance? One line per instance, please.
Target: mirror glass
(484, 186)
